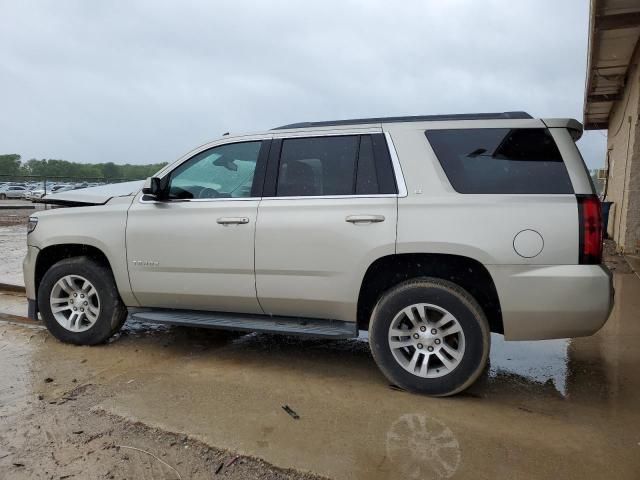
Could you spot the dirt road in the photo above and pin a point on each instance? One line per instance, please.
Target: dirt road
(558, 409)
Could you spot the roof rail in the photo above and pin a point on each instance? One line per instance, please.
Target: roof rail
(415, 118)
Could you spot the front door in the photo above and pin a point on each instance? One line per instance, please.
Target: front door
(195, 250)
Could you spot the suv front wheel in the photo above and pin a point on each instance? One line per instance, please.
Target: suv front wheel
(79, 302)
(430, 336)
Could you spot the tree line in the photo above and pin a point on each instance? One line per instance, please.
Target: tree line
(12, 164)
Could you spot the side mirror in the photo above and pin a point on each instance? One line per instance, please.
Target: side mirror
(153, 187)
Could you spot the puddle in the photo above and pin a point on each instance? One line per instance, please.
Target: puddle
(540, 362)
(544, 362)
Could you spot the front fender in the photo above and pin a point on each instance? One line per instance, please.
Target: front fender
(102, 227)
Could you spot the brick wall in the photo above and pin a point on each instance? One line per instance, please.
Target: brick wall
(623, 147)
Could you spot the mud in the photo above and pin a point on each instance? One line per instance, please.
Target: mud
(559, 409)
(55, 428)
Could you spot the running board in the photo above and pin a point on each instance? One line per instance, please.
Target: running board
(313, 327)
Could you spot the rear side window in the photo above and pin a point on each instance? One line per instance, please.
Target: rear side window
(334, 165)
(317, 166)
(501, 160)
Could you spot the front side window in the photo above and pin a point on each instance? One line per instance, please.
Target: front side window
(501, 160)
(220, 172)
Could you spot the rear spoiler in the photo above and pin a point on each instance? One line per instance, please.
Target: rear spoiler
(574, 126)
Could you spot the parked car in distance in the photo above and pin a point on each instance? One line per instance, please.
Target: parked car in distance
(12, 191)
(427, 232)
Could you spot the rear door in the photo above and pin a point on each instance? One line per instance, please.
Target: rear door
(328, 211)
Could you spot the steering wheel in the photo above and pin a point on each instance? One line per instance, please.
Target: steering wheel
(208, 192)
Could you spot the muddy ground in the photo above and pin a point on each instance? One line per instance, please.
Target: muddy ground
(556, 409)
(55, 428)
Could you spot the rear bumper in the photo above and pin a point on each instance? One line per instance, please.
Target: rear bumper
(553, 301)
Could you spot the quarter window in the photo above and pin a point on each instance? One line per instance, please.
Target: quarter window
(220, 172)
(499, 160)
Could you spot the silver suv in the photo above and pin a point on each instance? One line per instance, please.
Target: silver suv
(427, 232)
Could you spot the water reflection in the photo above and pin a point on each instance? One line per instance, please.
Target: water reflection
(544, 362)
(422, 447)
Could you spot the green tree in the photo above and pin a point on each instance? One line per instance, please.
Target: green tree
(10, 164)
(111, 170)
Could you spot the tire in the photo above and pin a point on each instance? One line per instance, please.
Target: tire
(455, 360)
(3, 196)
(97, 324)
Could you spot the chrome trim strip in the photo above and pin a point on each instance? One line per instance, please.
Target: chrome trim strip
(397, 168)
(310, 197)
(189, 200)
(330, 197)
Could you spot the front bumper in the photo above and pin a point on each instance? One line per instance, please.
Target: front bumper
(29, 272)
(553, 301)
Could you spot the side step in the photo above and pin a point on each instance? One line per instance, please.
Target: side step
(312, 327)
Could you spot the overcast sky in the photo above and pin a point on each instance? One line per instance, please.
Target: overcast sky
(146, 81)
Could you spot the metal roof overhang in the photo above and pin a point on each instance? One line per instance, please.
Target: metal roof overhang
(614, 30)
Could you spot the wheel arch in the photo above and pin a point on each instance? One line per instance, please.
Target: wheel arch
(52, 254)
(470, 274)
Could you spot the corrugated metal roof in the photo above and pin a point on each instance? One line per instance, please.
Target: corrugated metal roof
(614, 30)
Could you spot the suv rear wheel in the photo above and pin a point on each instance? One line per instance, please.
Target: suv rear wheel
(79, 302)
(430, 336)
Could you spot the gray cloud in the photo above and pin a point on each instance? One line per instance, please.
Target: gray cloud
(144, 81)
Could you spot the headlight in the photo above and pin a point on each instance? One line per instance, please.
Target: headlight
(31, 226)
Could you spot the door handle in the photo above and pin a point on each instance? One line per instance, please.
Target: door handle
(364, 219)
(232, 220)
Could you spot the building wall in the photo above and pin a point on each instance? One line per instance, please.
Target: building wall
(623, 146)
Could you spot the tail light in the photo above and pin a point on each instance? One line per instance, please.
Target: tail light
(590, 218)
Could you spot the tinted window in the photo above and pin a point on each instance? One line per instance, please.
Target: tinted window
(317, 166)
(221, 172)
(366, 178)
(493, 160)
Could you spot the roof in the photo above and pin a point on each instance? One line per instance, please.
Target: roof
(415, 118)
(614, 30)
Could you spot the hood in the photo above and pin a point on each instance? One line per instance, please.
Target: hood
(93, 195)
